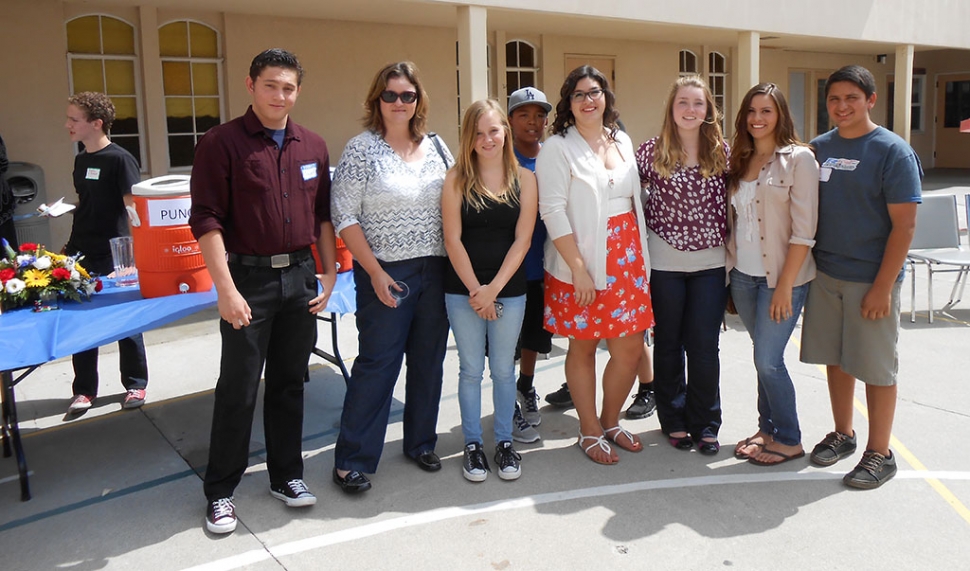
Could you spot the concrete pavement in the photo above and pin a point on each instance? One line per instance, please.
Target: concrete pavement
(121, 489)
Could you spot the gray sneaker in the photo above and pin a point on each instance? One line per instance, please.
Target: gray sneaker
(529, 403)
(834, 447)
(522, 431)
(872, 471)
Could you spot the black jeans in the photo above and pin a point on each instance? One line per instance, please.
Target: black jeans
(417, 328)
(280, 335)
(131, 350)
(688, 308)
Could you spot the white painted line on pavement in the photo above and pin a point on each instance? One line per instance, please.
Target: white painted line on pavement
(441, 514)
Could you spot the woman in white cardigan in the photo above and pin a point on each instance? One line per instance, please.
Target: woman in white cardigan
(596, 256)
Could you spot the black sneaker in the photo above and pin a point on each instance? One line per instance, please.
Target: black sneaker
(507, 460)
(475, 465)
(834, 447)
(644, 405)
(220, 516)
(872, 471)
(530, 406)
(560, 398)
(293, 493)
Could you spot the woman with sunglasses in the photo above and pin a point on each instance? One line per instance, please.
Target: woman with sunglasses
(386, 205)
(683, 171)
(773, 198)
(596, 256)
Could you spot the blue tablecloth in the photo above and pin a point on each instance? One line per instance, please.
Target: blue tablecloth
(28, 338)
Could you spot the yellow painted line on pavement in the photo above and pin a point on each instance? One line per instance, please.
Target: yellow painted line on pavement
(911, 459)
(918, 466)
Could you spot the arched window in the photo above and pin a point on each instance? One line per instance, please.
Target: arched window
(101, 57)
(191, 82)
(521, 67)
(688, 63)
(717, 80)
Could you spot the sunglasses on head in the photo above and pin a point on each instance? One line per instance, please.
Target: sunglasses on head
(388, 96)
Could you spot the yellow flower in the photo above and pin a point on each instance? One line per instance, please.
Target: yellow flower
(84, 273)
(57, 257)
(36, 278)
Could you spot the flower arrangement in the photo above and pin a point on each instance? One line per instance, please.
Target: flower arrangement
(33, 272)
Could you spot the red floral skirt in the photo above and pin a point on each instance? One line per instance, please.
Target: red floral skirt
(622, 308)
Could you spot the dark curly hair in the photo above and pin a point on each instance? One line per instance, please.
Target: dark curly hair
(564, 113)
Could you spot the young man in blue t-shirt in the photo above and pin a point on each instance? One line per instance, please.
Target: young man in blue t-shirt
(868, 192)
(528, 113)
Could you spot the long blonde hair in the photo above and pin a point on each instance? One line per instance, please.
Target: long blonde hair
(669, 155)
(468, 178)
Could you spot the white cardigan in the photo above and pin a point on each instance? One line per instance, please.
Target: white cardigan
(574, 194)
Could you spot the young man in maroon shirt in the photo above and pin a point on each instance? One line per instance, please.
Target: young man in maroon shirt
(260, 197)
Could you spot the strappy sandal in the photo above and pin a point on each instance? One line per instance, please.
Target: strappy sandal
(616, 431)
(597, 441)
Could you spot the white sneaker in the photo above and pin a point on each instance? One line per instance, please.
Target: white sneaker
(522, 431)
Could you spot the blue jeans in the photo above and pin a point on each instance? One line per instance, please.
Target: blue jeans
(688, 308)
(470, 333)
(777, 414)
(416, 328)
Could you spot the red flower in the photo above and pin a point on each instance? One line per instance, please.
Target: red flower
(61, 274)
(98, 286)
(7, 274)
(28, 247)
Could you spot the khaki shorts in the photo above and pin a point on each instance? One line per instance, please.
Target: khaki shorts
(835, 333)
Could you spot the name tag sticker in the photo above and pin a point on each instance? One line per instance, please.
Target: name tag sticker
(833, 163)
(309, 171)
(824, 174)
(92, 174)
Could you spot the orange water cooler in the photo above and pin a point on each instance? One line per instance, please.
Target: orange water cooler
(167, 256)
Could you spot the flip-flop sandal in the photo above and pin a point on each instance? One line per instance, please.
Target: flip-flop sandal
(597, 441)
(784, 457)
(613, 433)
(748, 442)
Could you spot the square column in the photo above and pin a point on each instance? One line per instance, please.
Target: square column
(472, 55)
(748, 65)
(903, 91)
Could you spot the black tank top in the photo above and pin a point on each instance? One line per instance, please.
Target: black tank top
(487, 235)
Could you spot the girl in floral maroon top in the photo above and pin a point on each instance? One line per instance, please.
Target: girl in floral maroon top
(683, 171)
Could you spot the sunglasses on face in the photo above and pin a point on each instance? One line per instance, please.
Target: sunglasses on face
(580, 96)
(388, 96)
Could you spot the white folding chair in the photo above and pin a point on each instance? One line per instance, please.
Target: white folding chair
(936, 243)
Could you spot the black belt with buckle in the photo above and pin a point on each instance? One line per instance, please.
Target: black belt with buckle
(277, 261)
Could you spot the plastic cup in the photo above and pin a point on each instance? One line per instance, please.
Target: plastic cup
(123, 257)
(399, 295)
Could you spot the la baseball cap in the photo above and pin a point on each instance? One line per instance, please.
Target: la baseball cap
(528, 96)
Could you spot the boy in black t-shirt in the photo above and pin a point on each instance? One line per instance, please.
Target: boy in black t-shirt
(103, 176)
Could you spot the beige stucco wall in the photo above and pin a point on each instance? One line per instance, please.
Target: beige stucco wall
(339, 68)
(34, 91)
(341, 57)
